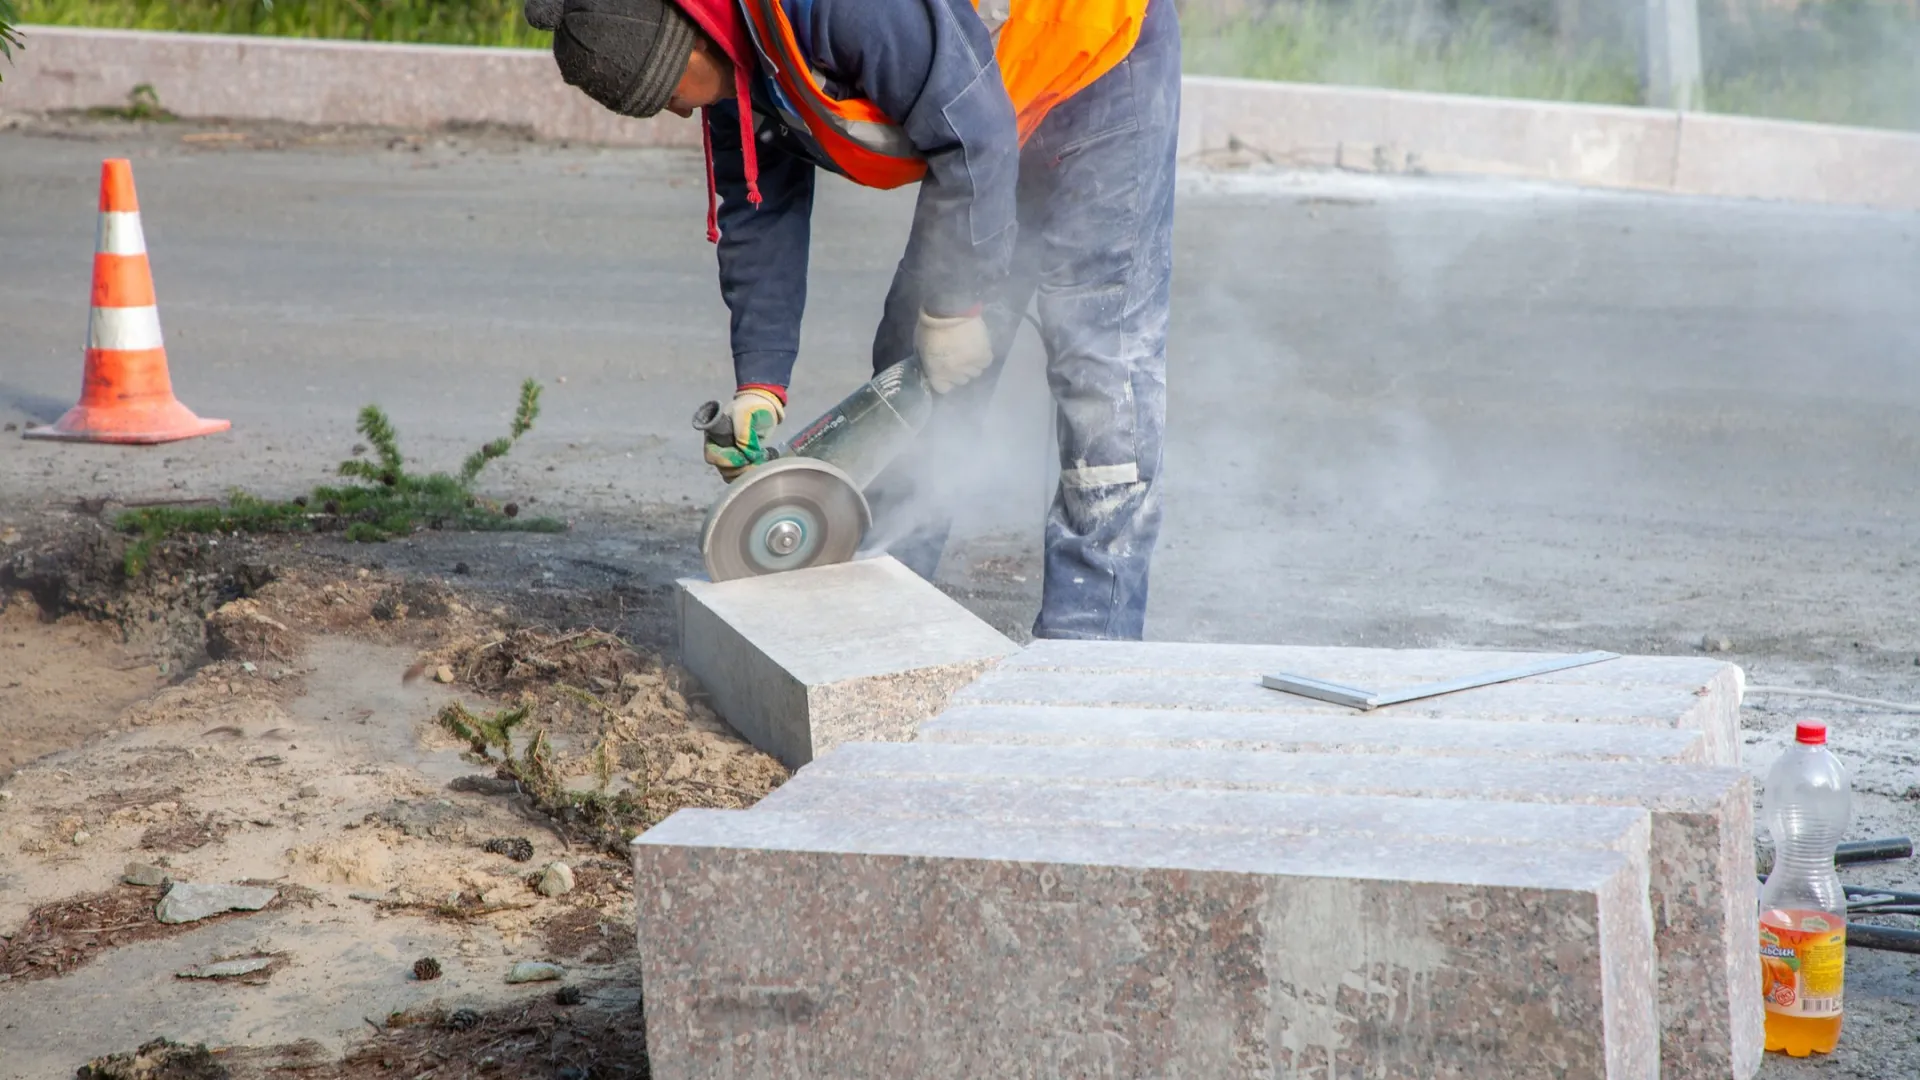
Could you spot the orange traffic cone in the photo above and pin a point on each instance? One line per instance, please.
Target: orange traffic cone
(127, 396)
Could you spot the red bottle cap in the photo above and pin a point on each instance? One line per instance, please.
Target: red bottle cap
(1811, 732)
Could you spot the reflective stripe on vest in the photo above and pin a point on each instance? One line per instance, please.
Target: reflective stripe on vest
(1047, 51)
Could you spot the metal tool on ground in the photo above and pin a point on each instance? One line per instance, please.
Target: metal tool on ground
(1364, 700)
(1883, 938)
(805, 505)
(1853, 853)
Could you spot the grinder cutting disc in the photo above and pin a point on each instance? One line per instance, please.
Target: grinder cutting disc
(787, 514)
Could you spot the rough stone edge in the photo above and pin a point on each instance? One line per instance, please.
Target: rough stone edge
(1360, 129)
(914, 696)
(1717, 713)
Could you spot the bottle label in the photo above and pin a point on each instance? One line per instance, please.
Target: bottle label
(1803, 960)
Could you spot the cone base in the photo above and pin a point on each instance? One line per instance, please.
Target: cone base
(136, 425)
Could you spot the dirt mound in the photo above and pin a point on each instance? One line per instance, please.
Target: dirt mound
(605, 737)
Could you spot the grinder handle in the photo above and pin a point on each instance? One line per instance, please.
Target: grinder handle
(711, 419)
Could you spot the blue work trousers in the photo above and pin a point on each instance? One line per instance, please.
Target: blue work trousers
(1095, 246)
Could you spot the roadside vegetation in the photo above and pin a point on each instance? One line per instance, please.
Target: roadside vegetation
(9, 38)
(1828, 61)
(384, 502)
(438, 22)
(1832, 61)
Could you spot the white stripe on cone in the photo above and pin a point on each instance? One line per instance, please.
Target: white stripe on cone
(120, 233)
(124, 328)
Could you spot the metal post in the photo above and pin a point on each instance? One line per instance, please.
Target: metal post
(1670, 63)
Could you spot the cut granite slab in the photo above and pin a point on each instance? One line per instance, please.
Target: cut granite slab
(1378, 732)
(1662, 692)
(1701, 883)
(801, 661)
(777, 945)
(1473, 821)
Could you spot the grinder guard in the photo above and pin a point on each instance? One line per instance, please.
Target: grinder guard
(820, 510)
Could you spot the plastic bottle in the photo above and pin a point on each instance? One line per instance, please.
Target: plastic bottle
(1803, 909)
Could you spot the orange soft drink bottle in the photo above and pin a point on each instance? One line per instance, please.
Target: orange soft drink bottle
(1803, 909)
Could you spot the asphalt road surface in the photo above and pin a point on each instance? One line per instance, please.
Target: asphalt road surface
(1403, 411)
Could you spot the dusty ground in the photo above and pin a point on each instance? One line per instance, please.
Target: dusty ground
(308, 756)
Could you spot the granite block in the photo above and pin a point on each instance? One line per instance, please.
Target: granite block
(1701, 880)
(801, 661)
(1670, 692)
(1044, 802)
(803, 945)
(1382, 731)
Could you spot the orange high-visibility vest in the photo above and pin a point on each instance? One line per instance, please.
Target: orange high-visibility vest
(1048, 50)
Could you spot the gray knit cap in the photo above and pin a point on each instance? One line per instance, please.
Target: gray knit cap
(628, 55)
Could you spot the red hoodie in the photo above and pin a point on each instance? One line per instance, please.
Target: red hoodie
(722, 21)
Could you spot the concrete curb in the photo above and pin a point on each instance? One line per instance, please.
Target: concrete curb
(320, 82)
(1223, 120)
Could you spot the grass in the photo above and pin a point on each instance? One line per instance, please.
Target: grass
(1829, 61)
(1834, 61)
(441, 22)
(387, 502)
(1402, 47)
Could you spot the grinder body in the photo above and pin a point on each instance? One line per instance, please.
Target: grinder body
(804, 505)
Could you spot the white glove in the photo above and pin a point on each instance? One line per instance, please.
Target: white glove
(953, 350)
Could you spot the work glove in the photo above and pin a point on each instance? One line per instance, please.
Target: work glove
(755, 412)
(953, 350)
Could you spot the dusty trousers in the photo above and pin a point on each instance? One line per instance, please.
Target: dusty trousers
(1094, 254)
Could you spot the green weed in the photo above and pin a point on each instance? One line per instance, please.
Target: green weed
(143, 103)
(483, 733)
(9, 37)
(387, 502)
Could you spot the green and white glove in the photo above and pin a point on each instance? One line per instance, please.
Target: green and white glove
(755, 412)
(953, 350)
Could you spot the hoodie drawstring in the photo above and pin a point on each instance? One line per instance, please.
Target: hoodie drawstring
(743, 97)
(713, 191)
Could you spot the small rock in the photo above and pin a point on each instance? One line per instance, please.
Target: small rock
(248, 667)
(7, 796)
(527, 971)
(462, 568)
(567, 995)
(139, 873)
(463, 1020)
(1715, 643)
(483, 785)
(556, 880)
(426, 969)
(443, 674)
(227, 969)
(189, 902)
(308, 791)
(82, 837)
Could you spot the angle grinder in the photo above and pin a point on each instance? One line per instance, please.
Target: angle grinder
(805, 505)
